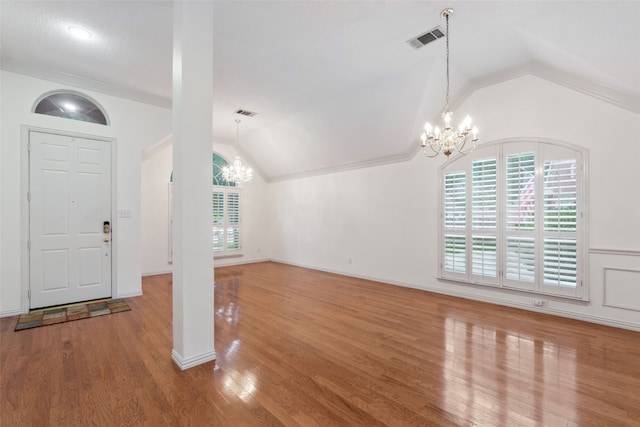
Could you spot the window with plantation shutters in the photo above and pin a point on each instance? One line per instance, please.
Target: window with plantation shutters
(218, 221)
(226, 230)
(226, 212)
(226, 220)
(513, 217)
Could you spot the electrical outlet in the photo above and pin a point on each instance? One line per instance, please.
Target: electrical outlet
(349, 261)
(540, 302)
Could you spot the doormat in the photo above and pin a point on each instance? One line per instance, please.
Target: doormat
(67, 313)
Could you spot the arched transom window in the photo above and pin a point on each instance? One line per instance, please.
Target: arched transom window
(71, 105)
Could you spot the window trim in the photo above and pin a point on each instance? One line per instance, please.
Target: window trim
(582, 232)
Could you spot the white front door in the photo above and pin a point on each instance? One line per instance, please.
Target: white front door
(70, 201)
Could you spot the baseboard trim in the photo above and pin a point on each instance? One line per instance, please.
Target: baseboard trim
(616, 323)
(239, 262)
(129, 294)
(190, 362)
(156, 273)
(9, 313)
(223, 264)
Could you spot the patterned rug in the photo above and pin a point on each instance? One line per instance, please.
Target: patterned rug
(67, 313)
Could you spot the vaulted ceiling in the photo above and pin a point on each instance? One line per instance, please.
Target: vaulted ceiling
(334, 83)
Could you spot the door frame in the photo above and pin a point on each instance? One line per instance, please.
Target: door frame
(25, 214)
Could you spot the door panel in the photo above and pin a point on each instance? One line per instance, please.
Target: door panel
(70, 198)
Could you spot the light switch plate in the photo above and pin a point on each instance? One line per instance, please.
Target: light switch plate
(124, 213)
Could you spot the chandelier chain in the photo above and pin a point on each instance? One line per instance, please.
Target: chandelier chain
(447, 139)
(446, 16)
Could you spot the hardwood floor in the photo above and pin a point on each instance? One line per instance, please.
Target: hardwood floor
(298, 347)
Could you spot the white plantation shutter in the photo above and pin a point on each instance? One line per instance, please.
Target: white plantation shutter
(520, 264)
(455, 254)
(483, 194)
(454, 261)
(233, 221)
(560, 195)
(560, 249)
(455, 201)
(520, 224)
(520, 187)
(218, 221)
(560, 262)
(512, 217)
(484, 219)
(484, 261)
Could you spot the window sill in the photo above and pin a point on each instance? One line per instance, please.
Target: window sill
(227, 255)
(512, 290)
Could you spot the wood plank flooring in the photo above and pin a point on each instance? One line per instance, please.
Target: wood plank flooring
(298, 347)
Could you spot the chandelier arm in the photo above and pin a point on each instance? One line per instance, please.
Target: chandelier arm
(461, 149)
(431, 156)
(470, 150)
(435, 152)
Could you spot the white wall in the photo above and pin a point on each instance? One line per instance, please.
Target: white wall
(156, 170)
(385, 218)
(134, 125)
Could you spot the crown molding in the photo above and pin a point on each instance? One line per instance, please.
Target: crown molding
(618, 98)
(10, 65)
(378, 161)
(168, 141)
(601, 92)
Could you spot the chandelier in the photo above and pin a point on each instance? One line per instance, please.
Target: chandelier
(237, 172)
(446, 139)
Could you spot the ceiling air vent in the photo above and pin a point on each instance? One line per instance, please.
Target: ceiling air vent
(246, 113)
(426, 38)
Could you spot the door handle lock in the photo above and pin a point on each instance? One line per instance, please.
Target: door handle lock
(106, 227)
(106, 239)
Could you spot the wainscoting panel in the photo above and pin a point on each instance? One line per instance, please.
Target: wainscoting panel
(622, 288)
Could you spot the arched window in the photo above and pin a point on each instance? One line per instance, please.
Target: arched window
(71, 105)
(513, 216)
(218, 162)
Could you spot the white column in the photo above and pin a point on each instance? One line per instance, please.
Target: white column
(192, 179)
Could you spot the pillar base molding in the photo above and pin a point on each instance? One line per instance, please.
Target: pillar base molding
(190, 362)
